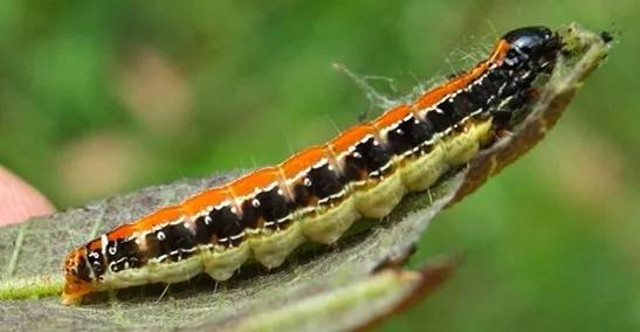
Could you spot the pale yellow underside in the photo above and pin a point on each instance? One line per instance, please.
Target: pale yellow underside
(378, 197)
(271, 249)
(153, 272)
(329, 223)
(462, 147)
(419, 173)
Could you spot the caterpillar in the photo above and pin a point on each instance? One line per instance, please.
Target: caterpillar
(318, 193)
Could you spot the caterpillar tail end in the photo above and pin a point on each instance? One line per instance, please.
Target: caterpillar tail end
(77, 280)
(74, 292)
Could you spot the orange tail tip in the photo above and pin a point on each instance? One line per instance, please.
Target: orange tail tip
(77, 277)
(73, 292)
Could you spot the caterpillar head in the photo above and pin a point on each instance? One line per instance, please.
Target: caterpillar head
(532, 44)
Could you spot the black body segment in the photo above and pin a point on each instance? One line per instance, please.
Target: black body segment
(463, 106)
(218, 226)
(122, 254)
(302, 194)
(324, 181)
(173, 242)
(273, 205)
(370, 156)
(267, 209)
(439, 119)
(410, 134)
(96, 262)
(354, 167)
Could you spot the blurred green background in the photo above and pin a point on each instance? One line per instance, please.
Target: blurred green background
(98, 98)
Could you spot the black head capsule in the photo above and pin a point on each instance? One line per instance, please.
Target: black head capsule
(531, 44)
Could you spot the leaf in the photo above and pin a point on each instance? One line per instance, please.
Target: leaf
(332, 288)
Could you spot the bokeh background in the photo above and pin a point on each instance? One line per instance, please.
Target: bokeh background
(99, 98)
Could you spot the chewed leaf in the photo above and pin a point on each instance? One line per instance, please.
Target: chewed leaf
(316, 283)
